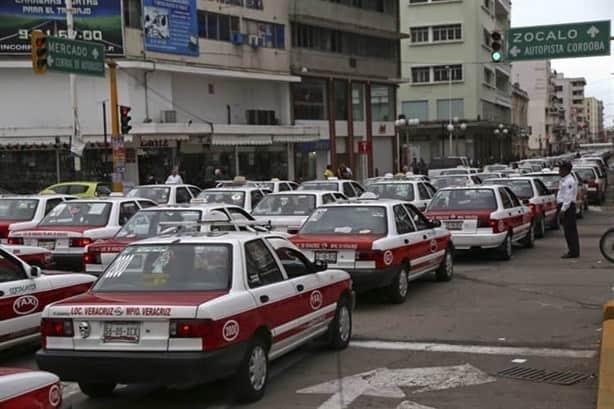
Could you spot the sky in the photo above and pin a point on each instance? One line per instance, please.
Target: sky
(596, 70)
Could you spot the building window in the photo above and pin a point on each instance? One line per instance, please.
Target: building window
(133, 16)
(272, 35)
(441, 73)
(341, 100)
(444, 105)
(371, 5)
(416, 109)
(450, 32)
(382, 103)
(489, 77)
(309, 99)
(358, 102)
(420, 75)
(419, 35)
(214, 26)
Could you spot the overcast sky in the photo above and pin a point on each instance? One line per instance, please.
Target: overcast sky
(596, 70)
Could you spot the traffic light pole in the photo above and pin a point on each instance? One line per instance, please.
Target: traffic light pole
(75, 140)
(117, 140)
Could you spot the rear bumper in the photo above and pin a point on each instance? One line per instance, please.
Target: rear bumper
(68, 261)
(142, 367)
(370, 279)
(467, 241)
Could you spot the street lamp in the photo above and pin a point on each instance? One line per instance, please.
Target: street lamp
(404, 124)
(501, 132)
(451, 128)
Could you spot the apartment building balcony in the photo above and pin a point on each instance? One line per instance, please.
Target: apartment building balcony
(502, 8)
(503, 97)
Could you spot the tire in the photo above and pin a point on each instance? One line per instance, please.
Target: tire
(529, 241)
(505, 250)
(445, 272)
(340, 329)
(540, 232)
(606, 245)
(97, 390)
(253, 373)
(397, 291)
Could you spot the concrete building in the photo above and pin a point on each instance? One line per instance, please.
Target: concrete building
(563, 91)
(593, 113)
(520, 121)
(448, 86)
(347, 55)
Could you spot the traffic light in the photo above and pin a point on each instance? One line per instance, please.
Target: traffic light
(495, 44)
(124, 119)
(39, 52)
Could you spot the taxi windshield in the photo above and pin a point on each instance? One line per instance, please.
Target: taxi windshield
(150, 223)
(232, 197)
(400, 191)
(286, 205)
(347, 220)
(450, 181)
(158, 194)
(18, 209)
(331, 186)
(464, 199)
(78, 214)
(585, 173)
(169, 267)
(551, 181)
(522, 188)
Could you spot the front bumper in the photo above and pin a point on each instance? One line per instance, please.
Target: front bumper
(371, 279)
(142, 367)
(467, 241)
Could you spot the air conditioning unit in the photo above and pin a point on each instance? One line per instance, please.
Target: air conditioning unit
(237, 38)
(168, 117)
(254, 41)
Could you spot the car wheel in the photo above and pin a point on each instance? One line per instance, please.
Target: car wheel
(340, 329)
(252, 376)
(529, 241)
(505, 250)
(541, 228)
(399, 287)
(97, 390)
(445, 272)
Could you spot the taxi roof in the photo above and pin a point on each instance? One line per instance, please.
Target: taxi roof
(305, 192)
(229, 237)
(234, 189)
(165, 185)
(109, 199)
(474, 187)
(397, 181)
(367, 202)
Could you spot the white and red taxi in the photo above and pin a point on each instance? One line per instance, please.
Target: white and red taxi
(29, 389)
(488, 217)
(25, 212)
(418, 193)
(25, 291)
(381, 243)
(154, 221)
(534, 193)
(71, 226)
(193, 307)
(34, 256)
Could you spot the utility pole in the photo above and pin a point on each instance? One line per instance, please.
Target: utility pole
(76, 145)
(117, 139)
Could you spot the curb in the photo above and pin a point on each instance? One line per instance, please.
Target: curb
(605, 392)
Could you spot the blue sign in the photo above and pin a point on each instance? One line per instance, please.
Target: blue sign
(321, 145)
(171, 26)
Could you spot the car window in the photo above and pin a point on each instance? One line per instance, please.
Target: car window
(293, 186)
(77, 189)
(294, 262)
(348, 191)
(521, 188)
(339, 196)
(10, 269)
(399, 191)
(159, 194)
(505, 199)
(262, 269)
(256, 198)
(424, 194)
(62, 189)
(239, 214)
(183, 196)
(464, 199)
(328, 198)
(418, 218)
(153, 222)
(283, 187)
(513, 197)
(232, 197)
(194, 190)
(102, 190)
(146, 204)
(126, 211)
(91, 213)
(431, 189)
(51, 203)
(334, 186)
(350, 220)
(18, 209)
(476, 180)
(542, 190)
(359, 189)
(402, 220)
(288, 204)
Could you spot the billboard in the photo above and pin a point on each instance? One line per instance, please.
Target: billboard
(99, 21)
(171, 26)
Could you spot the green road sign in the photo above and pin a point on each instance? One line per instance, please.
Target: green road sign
(558, 41)
(75, 57)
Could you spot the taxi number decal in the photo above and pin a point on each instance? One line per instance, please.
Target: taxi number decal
(25, 305)
(316, 300)
(55, 396)
(388, 257)
(230, 331)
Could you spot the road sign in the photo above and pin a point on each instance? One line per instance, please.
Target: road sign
(364, 147)
(75, 57)
(574, 40)
(387, 383)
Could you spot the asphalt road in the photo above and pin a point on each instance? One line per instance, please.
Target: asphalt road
(443, 348)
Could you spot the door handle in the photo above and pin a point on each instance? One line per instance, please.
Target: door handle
(1, 293)
(300, 287)
(509, 214)
(425, 237)
(264, 298)
(406, 241)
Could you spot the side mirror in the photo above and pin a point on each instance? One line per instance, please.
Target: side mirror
(435, 223)
(526, 202)
(35, 271)
(320, 265)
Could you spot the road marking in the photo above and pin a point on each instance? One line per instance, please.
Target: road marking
(474, 349)
(597, 209)
(412, 405)
(386, 383)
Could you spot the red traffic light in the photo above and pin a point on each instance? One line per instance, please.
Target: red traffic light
(124, 111)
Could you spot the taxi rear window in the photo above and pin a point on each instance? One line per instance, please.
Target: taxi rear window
(521, 188)
(331, 186)
(78, 214)
(347, 220)
(286, 205)
(400, 191)
(464, 199)
(150, 223)
(231, 197)
(159, 195)
(172, 267)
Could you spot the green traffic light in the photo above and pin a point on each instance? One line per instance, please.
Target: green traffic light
(496, 56)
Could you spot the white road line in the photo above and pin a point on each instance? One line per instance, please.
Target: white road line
(474, 349)
(597, 209)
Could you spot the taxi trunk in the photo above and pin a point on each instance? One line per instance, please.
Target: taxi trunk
(472, 228)
(351, 252)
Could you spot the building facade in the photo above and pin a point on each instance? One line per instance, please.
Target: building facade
(593, 112)
(520, 121)
(449, 84)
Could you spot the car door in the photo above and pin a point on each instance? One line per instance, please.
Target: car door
(348, 190)
(126, 211)
(432, 248)
(423, 198)
(182, 195)
(520, 219)
(548, 200)
(408, 245)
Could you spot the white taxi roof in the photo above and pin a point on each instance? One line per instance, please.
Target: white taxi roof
(110, 199)
(305, 192)
(234, 189)
(367, 202)
(474, 187)
(397, 182)
(209, 237)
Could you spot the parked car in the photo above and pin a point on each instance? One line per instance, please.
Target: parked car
(596, 184)
(165, 194)
(438, 164)
(552, 179)
(276, 185)
(349, 188)
(245, 197)
(29, 389)
(452, 181)
(81, 190)
(417, 193)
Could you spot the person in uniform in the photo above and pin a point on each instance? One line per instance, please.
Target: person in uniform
(566, 198)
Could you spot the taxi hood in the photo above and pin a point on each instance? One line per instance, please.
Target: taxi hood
(335, 241)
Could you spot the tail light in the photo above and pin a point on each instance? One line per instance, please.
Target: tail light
(52, 327)
(498, 226)
(194, 329)
(80, 242)
(92, 258)
(368, 255)
(533, 209)
(15, 241)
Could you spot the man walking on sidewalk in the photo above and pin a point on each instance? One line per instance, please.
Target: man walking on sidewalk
(566, 198)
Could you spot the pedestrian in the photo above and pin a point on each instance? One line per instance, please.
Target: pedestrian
(328, 173)
(566, 198)
(422, 168)
(348, 173)
(342, 172)
(414, 166)
(174, 178)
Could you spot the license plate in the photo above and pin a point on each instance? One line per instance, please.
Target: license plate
(454, 225)
(47, 244)
(126, 332)
(327, 256)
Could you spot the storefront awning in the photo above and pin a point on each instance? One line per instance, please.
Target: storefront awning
(31, 140)
(296, 138)
(241, 140)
